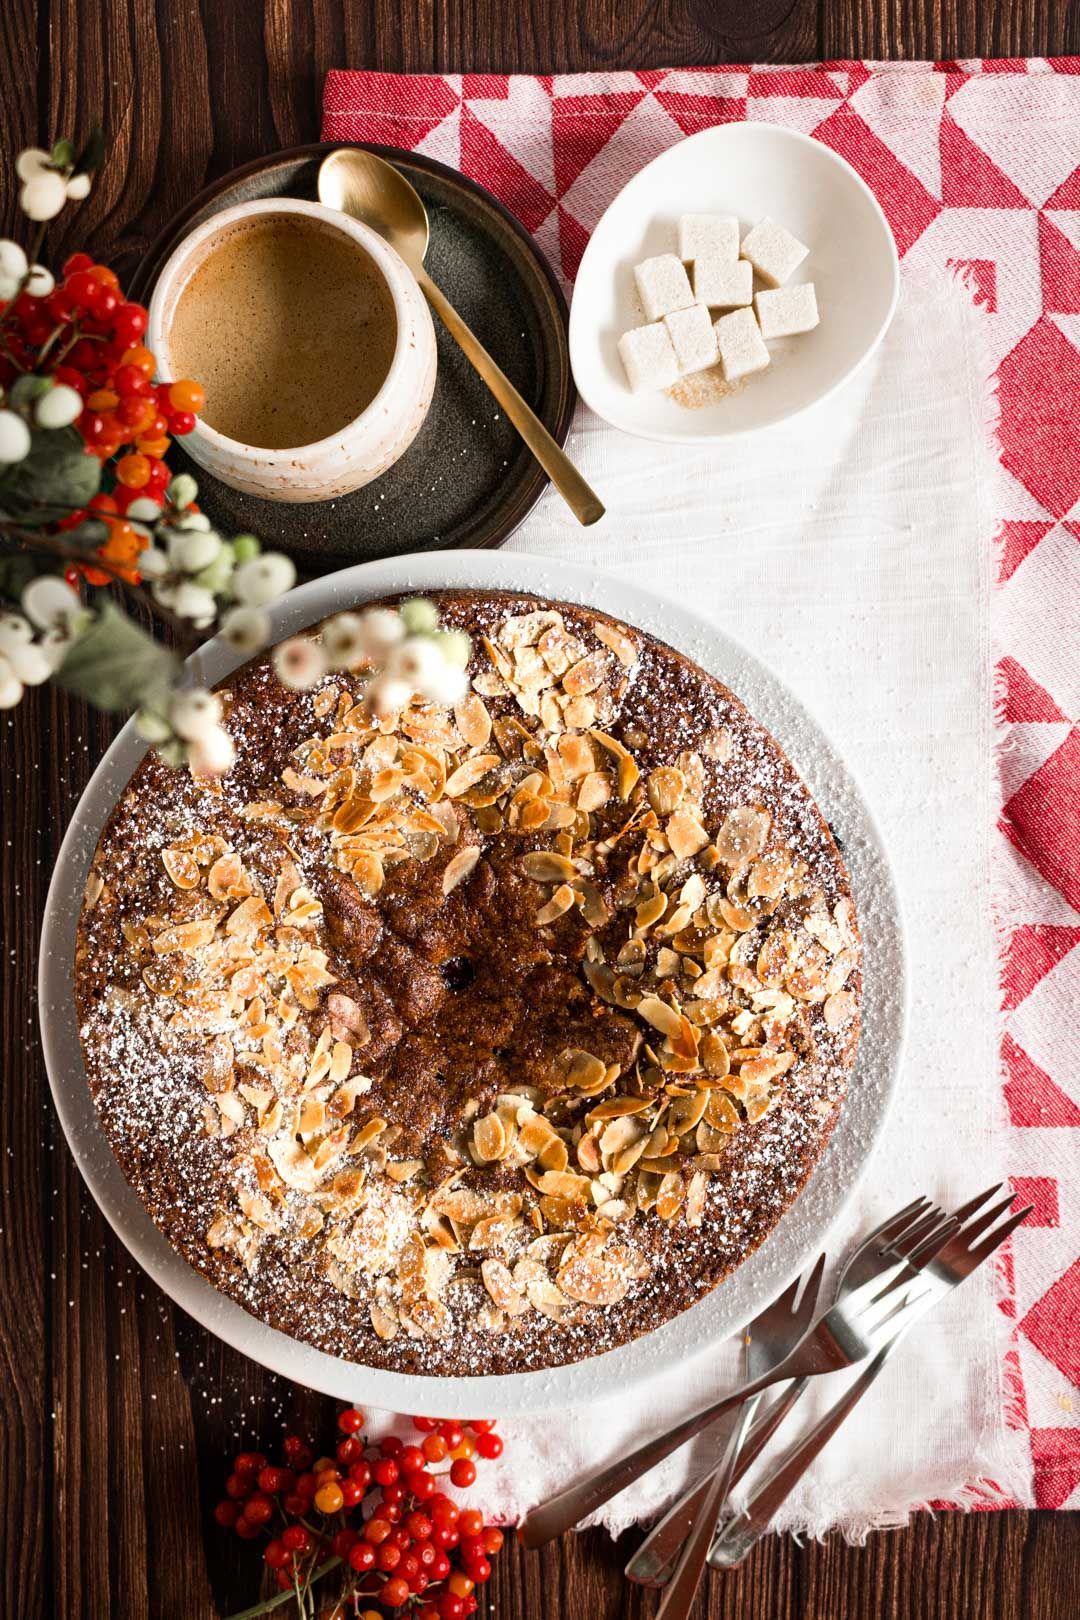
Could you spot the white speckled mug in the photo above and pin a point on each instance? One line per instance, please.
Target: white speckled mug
(362, 449)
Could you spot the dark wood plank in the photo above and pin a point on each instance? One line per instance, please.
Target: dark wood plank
(118, 1412)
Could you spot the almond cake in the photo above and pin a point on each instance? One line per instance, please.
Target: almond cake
(473, 1040)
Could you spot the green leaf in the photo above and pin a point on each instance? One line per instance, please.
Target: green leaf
(116, 665)
(63, 154)
(92, 154)
(56, 478)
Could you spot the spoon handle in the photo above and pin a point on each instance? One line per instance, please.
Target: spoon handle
(582, 500)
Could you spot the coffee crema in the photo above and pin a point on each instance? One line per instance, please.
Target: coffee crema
(290, 329)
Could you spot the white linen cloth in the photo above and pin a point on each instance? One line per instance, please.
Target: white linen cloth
(852, 549)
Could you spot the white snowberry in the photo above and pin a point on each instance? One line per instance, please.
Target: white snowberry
(14, 438)
(299, 662)
(386, 695)
(191, 551)
(11, 688)
(195, 713)
(259, 581)
(40, 281)
(29, 663)
(78, 187)
(447, 685)
(213, 754)
(417, 661)
(382, 629)
(246, 629)
(55, 644)
(31, 161)
(15, 631)
(12, 268)
(43, 197)
(59, 407)
(144, 510)
(343, 640)
(194, 602)
(50, 602)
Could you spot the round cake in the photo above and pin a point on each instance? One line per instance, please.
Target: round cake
(473, 1040)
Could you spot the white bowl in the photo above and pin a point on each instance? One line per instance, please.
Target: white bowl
(364, 447)
(749, 170)
(799, 1235)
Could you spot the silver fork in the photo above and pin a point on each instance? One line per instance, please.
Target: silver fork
(944, 1268)
(771, 1336)
(853, 1330)
(652, 1563)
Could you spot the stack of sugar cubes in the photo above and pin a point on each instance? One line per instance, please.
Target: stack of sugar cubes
(682, 337)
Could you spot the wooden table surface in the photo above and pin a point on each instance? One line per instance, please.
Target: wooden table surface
(117, 1411)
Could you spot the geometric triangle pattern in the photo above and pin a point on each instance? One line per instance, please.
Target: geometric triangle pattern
(976, 166)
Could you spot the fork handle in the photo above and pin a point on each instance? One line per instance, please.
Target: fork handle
(542, 1524)
(681, 1590)
(651, 1564)
(744, 1532)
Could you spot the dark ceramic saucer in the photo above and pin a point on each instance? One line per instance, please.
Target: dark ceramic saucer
(467, 479)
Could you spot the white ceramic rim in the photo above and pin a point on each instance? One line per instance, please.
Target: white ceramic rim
(798, 1236)
(663, 436)
(386, 260)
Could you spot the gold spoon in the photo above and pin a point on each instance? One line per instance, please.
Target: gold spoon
(363, 185)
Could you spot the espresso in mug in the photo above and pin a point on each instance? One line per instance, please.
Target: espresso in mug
(289, 328)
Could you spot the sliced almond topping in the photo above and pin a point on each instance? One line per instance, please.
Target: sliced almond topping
(560, 903)
(695, 1198)
(839, 1010)
(383, 1320)
(564, 1184)
(545, 866)
(592, 1280)
(669, 1197)
(585, 676)
(469, 772)
(620, 644)
(473, 720)
(660, 1015)
(743, 834)
(500, 1286)
(665, 787)
(628, 769)
(685, 835)
(459, 866)
(182, 868)
(594, 792)
(489, 1140)
(186, 937)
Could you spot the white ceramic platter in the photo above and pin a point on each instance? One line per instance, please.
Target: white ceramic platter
(795, 1240)
(749, 170)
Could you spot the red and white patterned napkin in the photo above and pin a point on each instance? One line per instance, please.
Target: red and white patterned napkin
(977, 166)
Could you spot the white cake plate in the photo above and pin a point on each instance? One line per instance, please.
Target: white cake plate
(798, 1236)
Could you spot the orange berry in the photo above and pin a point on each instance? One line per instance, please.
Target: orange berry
(138, 356)
(133, 470)
(103, 399)
(467, 1447)
(107, 277)
(329, 1498)
(152, 447)
(186, 396)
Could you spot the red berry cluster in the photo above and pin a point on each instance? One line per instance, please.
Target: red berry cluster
(377, 1509)
(86, 334)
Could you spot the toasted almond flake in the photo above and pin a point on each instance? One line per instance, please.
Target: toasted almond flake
(839, 1010)
(469, 772)
(594, 792)
(383, 1320)
(670, 1195)
(686, 1113)
(546, 866)
(840, 971)
(660, 1015)
(459, 866)
(186, 937)
(685, 835)
(743, 834)
(340, 1062)
(549, 1300)
(618, 1107)
(182, 868)
(592, 1280)
(695, 1198)
(586, 675)
(367, 1134)
(500, 1286)
(563, 1184)
(95, 883)
(628, 769)
(665, 787)
(560, 903)
(620, 644)
(489, 1140)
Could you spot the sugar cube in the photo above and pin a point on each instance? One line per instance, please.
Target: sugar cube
(773, 251)
(663, 286)
(649, 357)
(787, 311)
(692, 337)
(723, 284)
(708, 236)
(740, 343)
